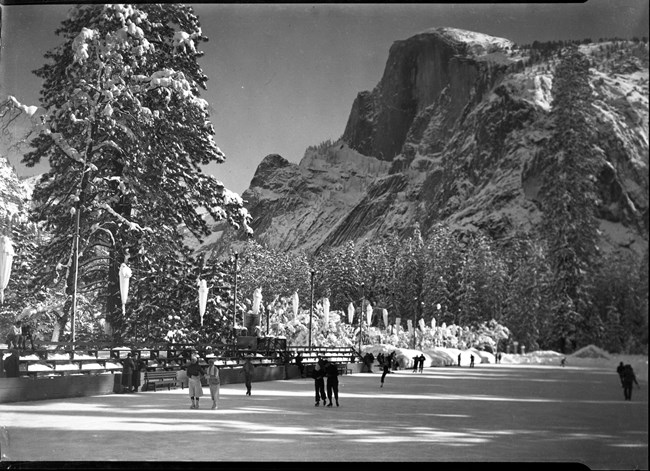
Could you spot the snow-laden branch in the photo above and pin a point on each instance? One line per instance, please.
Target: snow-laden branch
(38, 118)
(108, 143)
(130, 224)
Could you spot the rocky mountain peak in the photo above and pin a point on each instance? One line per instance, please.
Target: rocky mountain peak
(438, 67)
(450, 135)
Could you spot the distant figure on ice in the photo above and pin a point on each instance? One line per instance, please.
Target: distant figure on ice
(619, 369)
(629, 378)
(416, 362)
(11, 364)
(332, 374)
(214, 382)
(319, 384)
(471, 361)
(248, 370)
(299, 364)
(459, 359)
(563, 362)
(392, 361)
(127, 373)
(384, 373)
(368, 360)
(14, 339)
(421, 358)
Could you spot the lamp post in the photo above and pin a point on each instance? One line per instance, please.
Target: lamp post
(234, 308)
(267, 320)
(363, 302)
(75, 262)
(311, 306)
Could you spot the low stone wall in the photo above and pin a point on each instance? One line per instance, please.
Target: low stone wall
(30, 389)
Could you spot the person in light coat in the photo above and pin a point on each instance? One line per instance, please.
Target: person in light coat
(214, 382)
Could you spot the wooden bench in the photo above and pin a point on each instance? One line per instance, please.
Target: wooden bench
(159, 378)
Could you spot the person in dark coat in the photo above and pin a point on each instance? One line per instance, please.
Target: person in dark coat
(381, 359)
(26, 333)
(319, 384)
(332, 373)
(139, 366)
(384, 373)
(619, 369)
(299, 364)
(421, 358)
(471, 361)
(392, 361)
(248, 371)
(416, 362)
(459, 359)
(629, 378)
(368, 360)
(127, 373)
(12, 370)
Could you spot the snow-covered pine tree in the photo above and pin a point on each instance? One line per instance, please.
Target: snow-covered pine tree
(568, 196)
(126, 132)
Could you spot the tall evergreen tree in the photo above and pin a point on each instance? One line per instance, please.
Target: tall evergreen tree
(568, 197)
(126, 132)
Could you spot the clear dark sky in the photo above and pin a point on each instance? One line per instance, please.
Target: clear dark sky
(283, 77)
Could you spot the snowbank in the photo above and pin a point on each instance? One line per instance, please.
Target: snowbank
(589, 356)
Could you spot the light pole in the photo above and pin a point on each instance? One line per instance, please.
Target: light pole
(363, 302)
(75, 261)
(311, 306)
(234, 316)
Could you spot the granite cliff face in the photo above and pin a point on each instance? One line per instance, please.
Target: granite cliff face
(14, 194)
(450, 134)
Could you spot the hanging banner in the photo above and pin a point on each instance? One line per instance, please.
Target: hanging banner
(350, 313)
(257, 300)
(6, 259)
(384, 313)
(326, 310)
(368, 314)
(125, 275)
(203, 298)
(294, 304)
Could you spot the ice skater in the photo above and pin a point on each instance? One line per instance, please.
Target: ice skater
(385, 372)
(629, 378)
(194, 373)
(332, 373)
(248, 370)
(319, 384)
(214, 382)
